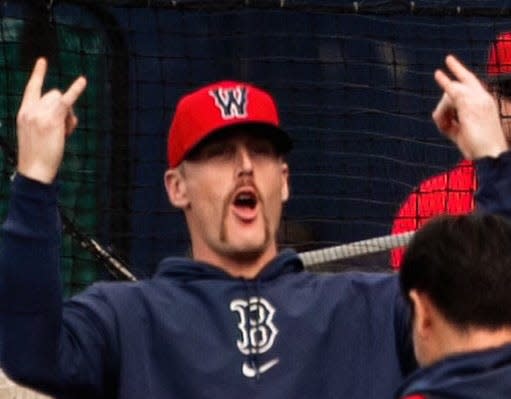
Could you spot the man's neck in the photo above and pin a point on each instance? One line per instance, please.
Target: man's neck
(247, 266)
(476, 339)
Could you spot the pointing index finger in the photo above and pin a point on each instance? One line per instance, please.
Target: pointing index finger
(35, 83)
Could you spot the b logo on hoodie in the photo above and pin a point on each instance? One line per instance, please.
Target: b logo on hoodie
(258, 332)
(231, 102)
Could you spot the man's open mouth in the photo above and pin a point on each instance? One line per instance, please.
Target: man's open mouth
(245, 199)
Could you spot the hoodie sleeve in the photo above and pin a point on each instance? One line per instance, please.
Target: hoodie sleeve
(39, 346)
(494, 178)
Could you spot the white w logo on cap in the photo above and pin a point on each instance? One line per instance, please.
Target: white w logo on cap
(231, 102)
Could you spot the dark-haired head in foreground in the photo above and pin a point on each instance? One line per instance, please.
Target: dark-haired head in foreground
(456, 274)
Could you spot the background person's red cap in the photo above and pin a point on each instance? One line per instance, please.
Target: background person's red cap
(220, 105)
(498, 66)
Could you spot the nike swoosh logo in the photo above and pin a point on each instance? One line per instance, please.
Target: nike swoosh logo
(251, 372)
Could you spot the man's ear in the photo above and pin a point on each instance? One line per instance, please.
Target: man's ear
(422, 313)
(285, 182)
(175, 184)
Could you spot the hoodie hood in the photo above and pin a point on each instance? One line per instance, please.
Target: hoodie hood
(185, 269)
(485, 374)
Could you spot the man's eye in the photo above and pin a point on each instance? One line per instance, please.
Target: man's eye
(218, 151)
(263, 149)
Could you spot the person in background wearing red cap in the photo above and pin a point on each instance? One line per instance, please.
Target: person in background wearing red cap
(461, 314)
(237, 318)
(452, 192)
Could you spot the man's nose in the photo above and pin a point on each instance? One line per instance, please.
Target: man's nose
(244, 160)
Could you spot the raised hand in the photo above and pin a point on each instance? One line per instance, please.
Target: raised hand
(467, 113)
(44, 121)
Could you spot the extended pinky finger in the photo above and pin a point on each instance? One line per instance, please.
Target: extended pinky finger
(442, 79)
(74, 91)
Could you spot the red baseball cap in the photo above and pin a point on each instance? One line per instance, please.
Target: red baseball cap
(498, 66)
(218, 106)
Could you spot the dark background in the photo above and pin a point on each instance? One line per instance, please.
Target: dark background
(354, 84)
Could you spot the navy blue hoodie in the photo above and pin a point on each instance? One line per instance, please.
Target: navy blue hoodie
(477, 375)
(193, 331)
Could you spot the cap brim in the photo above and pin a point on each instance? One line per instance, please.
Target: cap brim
(275, 134)
(503, 77)
(279, 137)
